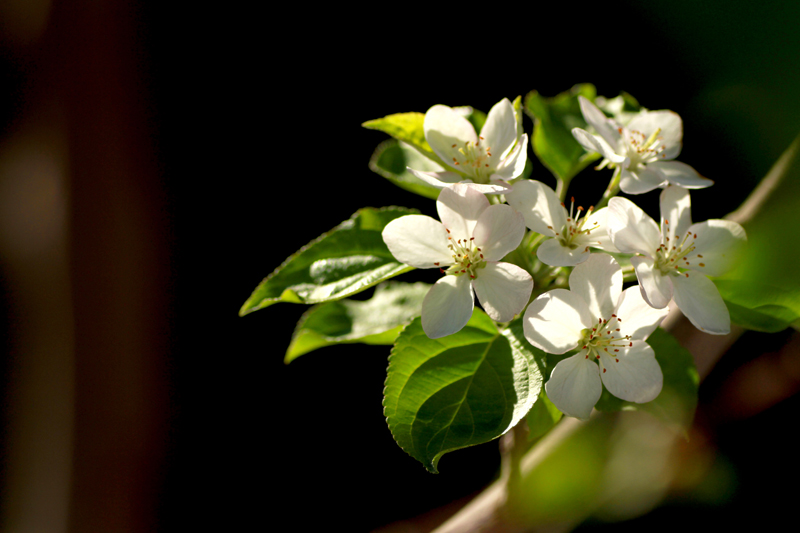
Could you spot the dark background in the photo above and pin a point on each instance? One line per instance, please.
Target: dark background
(242, 141)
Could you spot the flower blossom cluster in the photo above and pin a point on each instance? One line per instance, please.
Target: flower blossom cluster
(605, 326)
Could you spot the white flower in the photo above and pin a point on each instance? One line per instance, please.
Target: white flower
(498, 154)
(643, 149)
(675, 261)
(609, 326)
(466, 245)
(572, 234)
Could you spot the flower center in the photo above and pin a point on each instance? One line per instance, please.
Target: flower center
(604, 338)
(473, 159)
(467, 257)
(576, 226)
(642, 149)
(674, 257)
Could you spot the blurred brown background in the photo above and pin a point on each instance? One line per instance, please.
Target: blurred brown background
(157, 161)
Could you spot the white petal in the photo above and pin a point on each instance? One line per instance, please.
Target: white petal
(681, 174)
(595, 143)
(598, 281)
(552, 252)
(447, 307)
(597, 237)
(503, 290)
(632, 374)
(574, 386)
(554, 321)
(595, 118)
(499, 230)
(630, 229)
(443, 128)
(676, 212)
(720, 243)
(500, 131)
(539, 205)
(641, 180)
(636, 317)
(418, 241)
(656, 288)
(440, 180)
(495, 187)
(513, 165)
(459, 208)
(671, 126)
(699, 299)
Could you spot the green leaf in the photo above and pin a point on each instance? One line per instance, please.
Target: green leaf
(542, 417)
(464, 389)
(348, 259)
(375, 321)
(406, 127)
(678, 399)
(554, 119)
(390, 160)
(760, 306)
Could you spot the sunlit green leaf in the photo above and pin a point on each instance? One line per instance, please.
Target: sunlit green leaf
(390, 160)
(678, 399)
(517, 105)
(375, 321)
(348, 259)
(760, 306)
(406, 127)
(554, 119)
(464, 389)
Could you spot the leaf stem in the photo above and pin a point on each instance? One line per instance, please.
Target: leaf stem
(561, 187)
